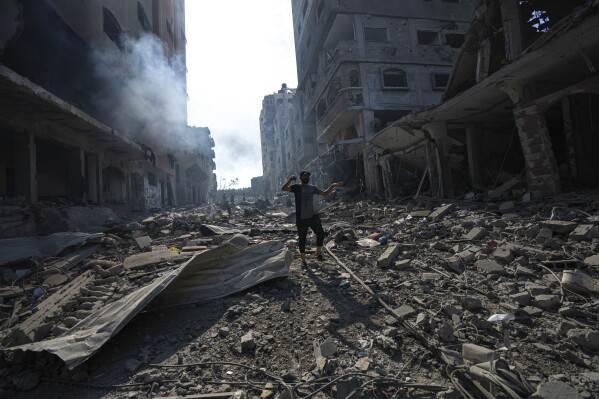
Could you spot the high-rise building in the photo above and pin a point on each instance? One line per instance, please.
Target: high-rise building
(362, 65)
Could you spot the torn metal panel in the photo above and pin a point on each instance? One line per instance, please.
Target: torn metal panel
(14, 249)
(222, 271)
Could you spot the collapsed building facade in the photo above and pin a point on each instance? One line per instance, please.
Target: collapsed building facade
(82, 115)
(519, 105)
(362, 66)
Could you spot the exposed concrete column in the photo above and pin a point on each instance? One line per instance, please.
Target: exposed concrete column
(370, 173)
(438, 131)
(512, 28)
(541, 168)
(83, 188)
(100, 166)
(32, 169)
(569, 137)
(433, 170)
(473, 140)
(483, 60)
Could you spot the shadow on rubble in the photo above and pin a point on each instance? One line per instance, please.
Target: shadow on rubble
(350, 310)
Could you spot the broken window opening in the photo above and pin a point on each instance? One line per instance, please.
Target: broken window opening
(143, 18)
(112, 28)
(428, 38)
(454, 40)
(440, 81)
(354, 78)
(152, 180)
(375, 34)
(395, 79)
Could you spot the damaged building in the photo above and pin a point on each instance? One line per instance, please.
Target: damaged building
(363, 65)
(81, 121)
(518, 110)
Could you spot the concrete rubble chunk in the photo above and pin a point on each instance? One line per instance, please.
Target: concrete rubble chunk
(584, 232)
(384, 261)
(559, 226)
(487, 266)
(440, 212)
(503, 254)
(470, 302)
(546, 302)
(555, 390)
(585, 337)
(143, 242)
(522, 298)
(592, 260)
(475, 234)
(248, 342)
(403, 311)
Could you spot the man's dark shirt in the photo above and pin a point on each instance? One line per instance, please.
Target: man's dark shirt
(304, 201)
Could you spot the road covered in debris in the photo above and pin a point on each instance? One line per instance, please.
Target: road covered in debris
(417, 298)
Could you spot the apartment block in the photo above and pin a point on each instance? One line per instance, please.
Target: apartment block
(361, 66)
(94, 104)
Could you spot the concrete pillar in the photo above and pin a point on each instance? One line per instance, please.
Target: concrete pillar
(483, 60)
(570, 142)
(100, 188)
(541, 168)
(473, 141)
(512, 28)
(32, 169)
(438, 131)
(433, 170)
(83, 177)
(369, 155)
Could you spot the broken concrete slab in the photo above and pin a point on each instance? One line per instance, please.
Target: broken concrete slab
(143, 242)
(438, 213)
(559, 226)
(475, 234)
(489, 267)
(584, 232)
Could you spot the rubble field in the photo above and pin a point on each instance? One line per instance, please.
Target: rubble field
(414, 299)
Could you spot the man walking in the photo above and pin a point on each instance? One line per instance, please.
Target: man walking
(305, 217)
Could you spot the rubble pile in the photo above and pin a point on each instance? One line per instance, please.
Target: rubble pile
(472, 292)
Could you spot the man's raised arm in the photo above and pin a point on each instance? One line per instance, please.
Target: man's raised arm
(286, 185)
(330, 189)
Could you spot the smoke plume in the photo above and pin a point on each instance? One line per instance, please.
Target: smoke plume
(144, 92)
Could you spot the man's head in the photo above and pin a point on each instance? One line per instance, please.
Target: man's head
(305, 176)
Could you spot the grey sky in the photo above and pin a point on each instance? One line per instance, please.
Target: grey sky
(237, 52)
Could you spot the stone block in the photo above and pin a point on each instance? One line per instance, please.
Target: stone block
(384, 261)
(487, 266)
(585, 338)
(555, 390)
(546, 302)
(584, 232)
(559, 226)
(476, 233)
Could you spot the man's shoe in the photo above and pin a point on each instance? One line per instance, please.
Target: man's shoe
(320, 258)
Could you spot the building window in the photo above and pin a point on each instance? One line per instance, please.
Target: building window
(375, 34)
(440, 81)
(428, 38)
(112, 28)
(354, 78)
(395, 79)
(143, 18)
(152, 181)
(454, 40)
(279, 101)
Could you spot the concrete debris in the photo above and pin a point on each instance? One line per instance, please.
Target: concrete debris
(441, 282)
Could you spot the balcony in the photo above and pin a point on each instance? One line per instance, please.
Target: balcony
(340, 112)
